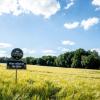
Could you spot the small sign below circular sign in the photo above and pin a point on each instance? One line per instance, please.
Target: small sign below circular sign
(17, 53)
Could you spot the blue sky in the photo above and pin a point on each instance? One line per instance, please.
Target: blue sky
(49, 27)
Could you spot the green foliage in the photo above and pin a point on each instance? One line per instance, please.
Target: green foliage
(49, 60)
(40, 61)
(30, 60)
(90, 62)
(74, 59)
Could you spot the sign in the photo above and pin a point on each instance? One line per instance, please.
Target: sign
(17, 54)
(15, 62)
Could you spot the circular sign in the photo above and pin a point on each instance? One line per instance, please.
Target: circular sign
(17, 53)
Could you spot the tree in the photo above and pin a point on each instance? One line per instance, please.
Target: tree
(90, 62)
(68, 58)
(60, 61)
(41, 61)
(49, 60)
(64, 60)
(76, 60)
(31, 60)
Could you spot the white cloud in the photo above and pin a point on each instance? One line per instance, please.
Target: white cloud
(97, 9)
(96, 3)
(67, 42)
(71, 3)
(5, 45)
(86, 24)
(3, 53)
(49, 52)
(96, 49)
(71, 25)
(45, 8)
(28, 51)
(9, 6)
(63, 49)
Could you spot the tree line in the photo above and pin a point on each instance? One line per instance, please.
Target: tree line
(79, 58)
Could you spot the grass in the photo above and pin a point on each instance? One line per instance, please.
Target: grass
(49, 83)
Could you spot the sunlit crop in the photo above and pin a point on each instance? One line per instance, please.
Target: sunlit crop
(49, 83)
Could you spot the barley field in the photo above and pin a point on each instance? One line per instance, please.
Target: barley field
(49, 83)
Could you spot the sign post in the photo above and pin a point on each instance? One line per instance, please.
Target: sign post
(15, 62)
(16, 76)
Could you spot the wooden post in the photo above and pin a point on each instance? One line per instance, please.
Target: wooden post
(16, 76)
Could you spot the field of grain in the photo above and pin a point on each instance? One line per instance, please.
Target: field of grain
(49, 83)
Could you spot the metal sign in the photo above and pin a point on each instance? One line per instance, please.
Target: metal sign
(17, 53)
(15, 62)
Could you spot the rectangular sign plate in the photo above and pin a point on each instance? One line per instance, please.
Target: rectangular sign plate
(13, 64)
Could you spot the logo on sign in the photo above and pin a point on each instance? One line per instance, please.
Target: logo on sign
(17, 54)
